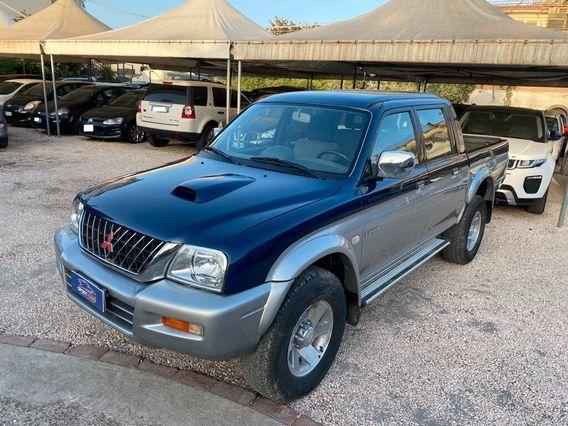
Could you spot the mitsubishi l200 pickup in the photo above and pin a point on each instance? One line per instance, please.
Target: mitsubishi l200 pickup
(267, 242)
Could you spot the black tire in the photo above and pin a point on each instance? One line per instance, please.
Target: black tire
(538, 206)
(205, 137)
(457, 251)
(157, 141)
(4, 142)
(266, 368)
(134, 135)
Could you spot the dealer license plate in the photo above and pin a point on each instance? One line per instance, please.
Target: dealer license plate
(89, 292)
(87, 128)
(37, 119)
(8, 113)
(158, 108)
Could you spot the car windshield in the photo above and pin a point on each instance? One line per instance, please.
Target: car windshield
(294, 138)
(129, 99)
(505, 124)
(9, 87)
(81, 95)
(37, 90)
(552, 124)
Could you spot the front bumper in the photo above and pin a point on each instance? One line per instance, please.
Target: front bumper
(521, 186)
(232, 324)
(101, 131)
(18, 117)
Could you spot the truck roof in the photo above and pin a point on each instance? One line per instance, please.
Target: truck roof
(355, 99)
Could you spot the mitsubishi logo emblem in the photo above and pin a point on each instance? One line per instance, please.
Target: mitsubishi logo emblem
(107, 243)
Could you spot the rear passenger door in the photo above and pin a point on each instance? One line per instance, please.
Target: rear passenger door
(220, 103)
(445, 190)
(393, 213)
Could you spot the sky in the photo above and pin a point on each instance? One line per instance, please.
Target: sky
(261, 11)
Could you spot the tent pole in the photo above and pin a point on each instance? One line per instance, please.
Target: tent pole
(54, 97)
(239, 87)
(425, 85)
(44, 82)
(354, 77)
(228, 106)
(342, 81)
(564, 209)
(379, 83)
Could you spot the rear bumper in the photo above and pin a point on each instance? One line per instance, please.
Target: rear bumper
(169, 134)
(232, 324)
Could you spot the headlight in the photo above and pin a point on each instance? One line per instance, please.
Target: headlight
(530, 164)
(76, 212)
(113, 121)
(62, 111)
(199, 267)
(32, 105)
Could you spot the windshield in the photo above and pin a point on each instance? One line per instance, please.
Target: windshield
(129, 99)
(9, 87)
(505, 124)
(81, 95)
(323, 141)
(552, 124)
(37, 90)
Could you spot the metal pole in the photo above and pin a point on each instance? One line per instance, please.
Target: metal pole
(54, 97)
(342, 81)
(379, 83)
(239, 77)
(425, 86)
(564, 209)
(228, 107)
(354, 77)
(44, 82)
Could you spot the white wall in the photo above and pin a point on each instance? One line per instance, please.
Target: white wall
(542, 98)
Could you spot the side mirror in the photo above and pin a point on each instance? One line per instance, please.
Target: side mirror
(396, 165)
(554, 135)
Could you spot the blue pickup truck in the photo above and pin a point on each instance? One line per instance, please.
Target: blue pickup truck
(266, 243)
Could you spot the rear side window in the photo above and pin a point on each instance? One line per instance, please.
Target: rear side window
(552, 123)
(199, 96)
(219, 97)
(169, 94)
(65, 89)
(396, 134)
(436, 133)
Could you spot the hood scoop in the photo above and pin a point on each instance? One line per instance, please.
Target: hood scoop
(207, 188)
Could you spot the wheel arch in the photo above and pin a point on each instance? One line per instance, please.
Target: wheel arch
(483, 185)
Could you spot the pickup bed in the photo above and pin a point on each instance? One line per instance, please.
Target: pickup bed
(266, 243)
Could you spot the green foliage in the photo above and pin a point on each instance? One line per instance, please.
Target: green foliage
(107, 74)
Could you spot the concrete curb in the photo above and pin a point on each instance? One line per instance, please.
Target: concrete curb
(279, 412)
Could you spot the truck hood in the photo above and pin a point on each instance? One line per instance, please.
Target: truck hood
(202, 201)
(521, 149)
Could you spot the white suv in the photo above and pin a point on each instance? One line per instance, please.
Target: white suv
(184, 110)
(531, 152)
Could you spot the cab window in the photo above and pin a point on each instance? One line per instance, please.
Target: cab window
(396, 133)
(436, 133)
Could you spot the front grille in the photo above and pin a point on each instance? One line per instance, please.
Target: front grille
(118, 245)
(116, 310)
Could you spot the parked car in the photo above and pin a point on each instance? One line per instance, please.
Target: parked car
(19, 109)
(184, 110)
(532, 160)
(5, 77)
(74, 104)
(3, 129)
(558, 133)
(303, 210)
(117, 120)
(10, 88)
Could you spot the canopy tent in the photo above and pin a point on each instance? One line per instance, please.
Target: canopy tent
(5, 19)
(17, 8)
(198, 29)
(417, 40)
(63, 19)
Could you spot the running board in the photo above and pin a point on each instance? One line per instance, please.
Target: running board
(390, 277)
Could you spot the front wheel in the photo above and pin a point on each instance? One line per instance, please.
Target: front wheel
(466, 236)
(135, 134)
(297, 351)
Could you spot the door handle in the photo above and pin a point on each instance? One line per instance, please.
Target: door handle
(221, 112)
(455, 172)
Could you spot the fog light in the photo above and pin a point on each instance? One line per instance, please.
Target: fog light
(186, 327)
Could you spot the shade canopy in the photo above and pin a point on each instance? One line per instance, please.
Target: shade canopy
(434, 40)
(198, 29)
(63, 19)
(5, 19)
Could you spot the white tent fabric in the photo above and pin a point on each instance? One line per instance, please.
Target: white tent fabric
(14, 8)
(437, 32)
(63, 19)
(5, 19)
(199, 29)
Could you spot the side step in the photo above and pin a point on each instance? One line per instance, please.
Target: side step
(383, 281)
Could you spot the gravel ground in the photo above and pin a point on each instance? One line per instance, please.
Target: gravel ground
(484, 344)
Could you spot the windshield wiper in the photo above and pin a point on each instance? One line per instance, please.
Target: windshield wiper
(285, 163)
(219, 153)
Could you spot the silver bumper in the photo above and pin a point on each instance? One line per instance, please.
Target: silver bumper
(232, 324)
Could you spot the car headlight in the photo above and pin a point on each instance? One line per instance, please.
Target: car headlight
(199, 267)
(113, 121)
(31, 105)
(62, 111)
(76, 212)
(530, 164)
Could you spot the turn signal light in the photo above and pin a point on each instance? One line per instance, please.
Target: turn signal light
(186, 327)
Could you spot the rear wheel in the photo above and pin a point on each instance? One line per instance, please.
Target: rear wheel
(135, 134)
(465, 237)
(157, 141)
(205, 137)
(297, 351)
(4, 142)
(538, 206)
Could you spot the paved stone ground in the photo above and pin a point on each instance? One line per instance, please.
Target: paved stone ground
(485, 343)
